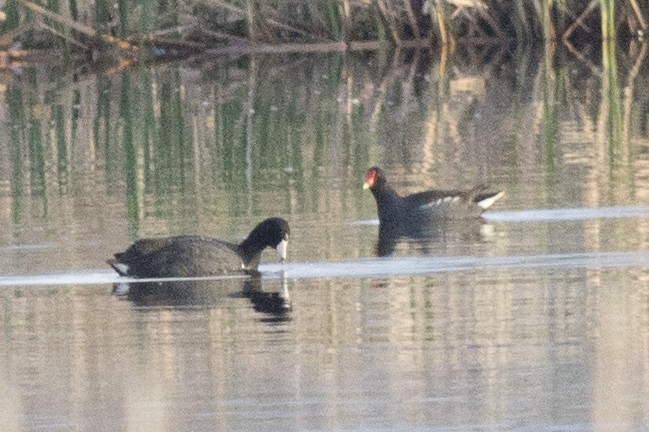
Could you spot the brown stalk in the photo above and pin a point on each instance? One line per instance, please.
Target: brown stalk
(81, 28)
(638, 14)
(579, 22)
(412, 19)
(388, 17)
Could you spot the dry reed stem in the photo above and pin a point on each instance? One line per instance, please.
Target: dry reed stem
(250, 20)
(63, 36)
(500, 34)
(223, 35)
(397, 14)
(411, 17)
(249, 15)
(638, 14)
(347, 17)
(383, 8)
(7, 39)
(281, 25)
(582, 58)
(173, 42)
(579, 22)
(89, 32)
(227, 6)
(259, 48)
(445, 36)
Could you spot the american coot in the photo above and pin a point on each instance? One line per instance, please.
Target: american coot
(188, 256)
(411, 211)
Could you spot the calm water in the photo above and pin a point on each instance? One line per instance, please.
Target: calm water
(536, 320)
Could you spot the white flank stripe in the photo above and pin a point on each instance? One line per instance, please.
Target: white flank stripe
(448, 199)
(123, 268)
(486, 203)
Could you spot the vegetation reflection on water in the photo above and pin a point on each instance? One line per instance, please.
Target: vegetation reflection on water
(217, 145)
(92, 161)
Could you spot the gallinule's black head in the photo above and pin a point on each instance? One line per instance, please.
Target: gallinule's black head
(188, 256)
(374, 179)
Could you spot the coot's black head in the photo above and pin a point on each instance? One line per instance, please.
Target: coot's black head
(272, 232)
(374, 179)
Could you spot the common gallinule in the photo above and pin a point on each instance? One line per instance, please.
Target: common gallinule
(418, 209)
(189, 256)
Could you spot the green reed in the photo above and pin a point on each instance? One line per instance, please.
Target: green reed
(17, 126)
(382, 34)
(102, 16)
(148, 13)
(12, 11)
(146, 104)
(62, 153)
(611, 106)
(74, 9)
(609, 60)
(552, 85)
(102, 119)
(123, 14)
(608, 18)
(36, 158)
(523, 59)
(520, 23)
(134, 187)
(547, 24)
(335, 21)
(172, 144)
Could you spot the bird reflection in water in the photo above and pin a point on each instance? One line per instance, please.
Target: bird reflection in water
(427, 235)
(207, 293)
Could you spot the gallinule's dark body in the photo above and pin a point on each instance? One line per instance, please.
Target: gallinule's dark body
(435, 215)
(424, 207)
(189, 256)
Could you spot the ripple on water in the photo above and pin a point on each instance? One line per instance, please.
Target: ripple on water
(373, 267)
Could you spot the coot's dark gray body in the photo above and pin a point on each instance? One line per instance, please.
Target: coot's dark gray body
(190, 256)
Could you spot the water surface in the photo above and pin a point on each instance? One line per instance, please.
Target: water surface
(537, 319)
